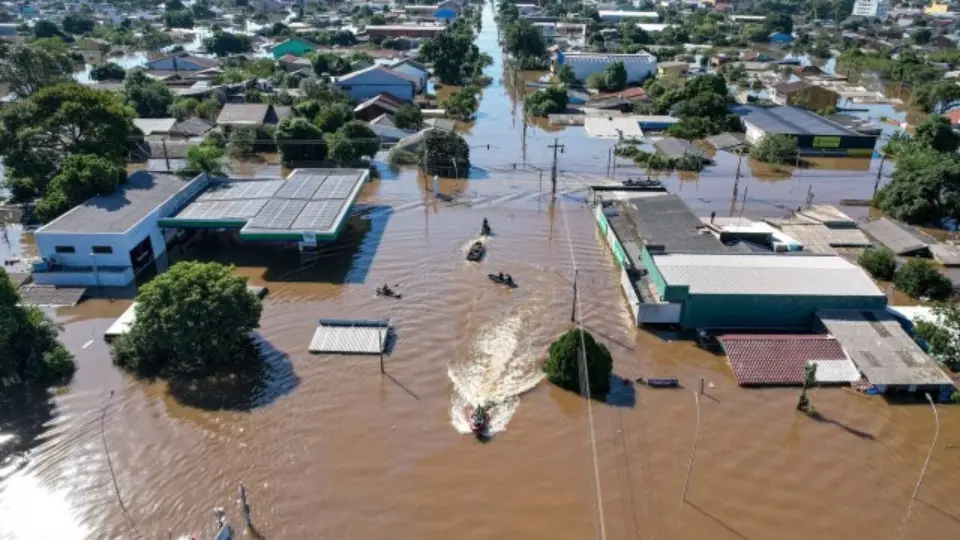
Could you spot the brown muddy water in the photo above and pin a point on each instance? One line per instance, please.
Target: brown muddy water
(332, 449)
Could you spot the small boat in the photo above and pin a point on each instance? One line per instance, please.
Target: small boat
(388, 292)
(505, 280)
(663, 382)
(479, 421)
(476, 252)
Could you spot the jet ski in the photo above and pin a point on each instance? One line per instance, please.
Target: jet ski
(479, 421)
(476, 252)
(386, 291)
(503, 279)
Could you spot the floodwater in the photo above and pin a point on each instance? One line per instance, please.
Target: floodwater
(331, 448)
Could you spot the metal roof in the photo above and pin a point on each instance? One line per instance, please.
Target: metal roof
(151, 126)
(776, 359)
(881, 349)
(342, 338)
(667, 222)
(765, 274)
(675, 148)
(896, 237)
(141, 194)
(790, 121)
(727, 141)
(248, 114)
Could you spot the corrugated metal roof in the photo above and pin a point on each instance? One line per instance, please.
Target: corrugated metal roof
(895, 237)
(836, 371)
(676, 148)
(881, 349)
(765, 274)
(777, 359)
(349, 339)
(790, 121)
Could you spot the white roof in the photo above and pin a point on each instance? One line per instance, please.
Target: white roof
(123, 323)
(765, 274)
(632, 14)
(653, 27)
(836, 371)
(154, 125)
(642, 56)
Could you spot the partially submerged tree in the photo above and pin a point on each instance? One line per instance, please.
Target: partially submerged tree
(28, 68)
(195, 319)
(445, 153)
(919, 278)
(943, 334)
(879, 263)
(809, 381)
(775, 148)
(206, 157)
(547, 101)
(463, 103)
(563, 366)
(299, 141)
(408, 117)
(352, 142)
(110, 71)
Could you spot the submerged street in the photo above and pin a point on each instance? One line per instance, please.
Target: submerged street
(330, 448)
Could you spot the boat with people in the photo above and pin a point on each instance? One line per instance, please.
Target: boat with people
(480, 420)
(503, 279)
(476, 251)
(387, 291)
(485, 228)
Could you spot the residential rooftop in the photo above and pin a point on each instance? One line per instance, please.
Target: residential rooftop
(663, 222)
(790, 121)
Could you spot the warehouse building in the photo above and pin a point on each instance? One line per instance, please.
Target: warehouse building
(815, 134)
(109, 239)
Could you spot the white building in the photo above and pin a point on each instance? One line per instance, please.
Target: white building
(638, 66)
(878, 9)
(617, 15)
(367, 83)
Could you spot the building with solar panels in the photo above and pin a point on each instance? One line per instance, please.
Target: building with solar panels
(815, 134)
(109, 239)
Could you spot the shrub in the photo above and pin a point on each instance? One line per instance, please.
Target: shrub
(879, 263)
(781, 149)
(563, 368)
(919, 278)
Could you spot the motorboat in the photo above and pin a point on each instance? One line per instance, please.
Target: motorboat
(503, 279)
(476, 252)
(381, 291)
(663, 382)
(479, 421)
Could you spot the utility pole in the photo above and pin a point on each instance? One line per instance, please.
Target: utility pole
(166, 156)
(573, 309)
(810, 196)
(382, 346)
(876, 185)
(553, 171)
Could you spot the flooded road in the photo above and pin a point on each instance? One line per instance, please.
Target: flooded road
(332, 449)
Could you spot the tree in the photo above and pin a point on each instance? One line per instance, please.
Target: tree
(462, 104)
(78, 24)
(563, 365)
(111, 71)
(547, 101)
(523, 40)
(924, 188)
(943, 334)
(938, 134)
(150, 98)
(919, 278)
(809, 381)
(454, 56)
(299, 141)
(224, 43)
(81, 177)
(566, 75)
(408, 117)
(208, 109)
(936, 96)
(615, 77)
(775, 148)
(922, 36)
(174, 5)
(28, 68)
(445, 153)
(332, 117)
(778, 22)
(40, 132)
(204, 158)
(241, 142)
(377, 19)
(330, 64)
(183, 108)
(880, 263)
(352, 142)
(178, 19)
(46, 29)
(29, 351)
(194, 319)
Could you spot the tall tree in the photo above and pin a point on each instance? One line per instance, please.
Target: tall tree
(223, 43)
(28, 68)
(352, 142)
(299, 141)
(522, 39)
(332, 117)
(150, 98)
(40, 132)
(82, 176)
(938, 134)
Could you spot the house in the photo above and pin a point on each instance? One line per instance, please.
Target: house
(638, 66)
(293, 46)
(291, 63)
(235, 115)
(780, 38)
(377, 106)
(8, 30)
(415, 70)
(182, 62)
(672, 68)
(191, 127)
(367, 83)
(403, 30)
(799, 93)
(154, 126)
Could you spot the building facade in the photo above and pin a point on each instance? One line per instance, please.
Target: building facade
(638, 66)
(876, 9)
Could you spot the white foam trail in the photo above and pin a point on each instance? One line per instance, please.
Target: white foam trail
(501, 367)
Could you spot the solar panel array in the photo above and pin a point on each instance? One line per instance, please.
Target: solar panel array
(309, 200)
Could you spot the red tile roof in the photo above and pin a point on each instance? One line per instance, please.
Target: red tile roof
(634, 92)
(954, 116)
(777, 359)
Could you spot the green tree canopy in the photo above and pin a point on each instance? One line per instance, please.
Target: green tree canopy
(29, 351)
(352, 142)
(178, 19)
(204, 158)
(183, 108)
(775, 148)
(943, 336)
(82, 176)
(46, 29)
(462, 104)
(223, 43)
(149, 97)
(194, 319)
(547, 101)
(333, 116)
(110, 71)
(919, 278)
(330, 64)
(455, 57)
(938, 134)
(28, 68)
(408, 117)
(924, 188)
(880, 263)
(445, 153)
(299, 141)
(76, 23)
(523, 40)
(40, 132)
(563, 363)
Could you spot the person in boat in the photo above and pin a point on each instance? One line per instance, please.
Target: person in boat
(386, 290)
(508, 279)
(485, 228)
(480, 414)
(500, 276)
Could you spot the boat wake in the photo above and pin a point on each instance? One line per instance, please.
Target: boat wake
(501, 366)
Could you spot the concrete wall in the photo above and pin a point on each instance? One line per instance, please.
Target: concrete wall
(118, 278)
(765, 311)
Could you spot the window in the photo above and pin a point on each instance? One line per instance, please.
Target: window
(65, 249)
(102, 249)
